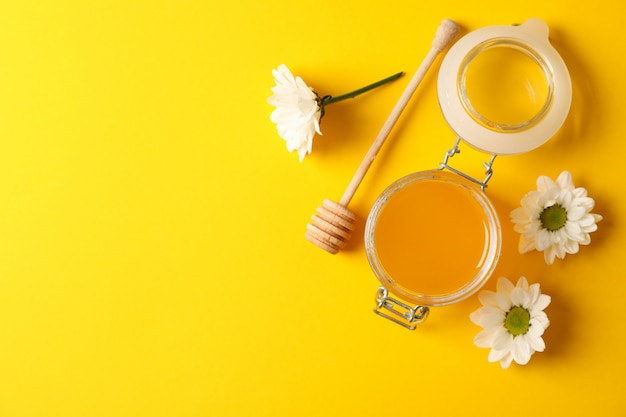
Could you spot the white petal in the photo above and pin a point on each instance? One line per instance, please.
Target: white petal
(493, 311)
(504, 300)
(316, 123)
(573, 231)
(300, 83)
(537, 344)
(527, 243)
(302, 153)
(519, 297)
(484, 339)
(505, 362)
(542, 302)
(579, 192)
(549, 255)
(522, 283)
(564, 181)
(586, 203)
(544, 184)
(520, 350)
(520, 215)
(571, 246)
(502, 339)
(475, 316)
(530, 202)
(535, 331)
(540, 319)
(488, 321)
(586, 221)
(488, 298)
(282, 75)
(560, 250)
(544, 239)
(575, 213)
(565, 198)
(534, 292)
(497, 355)
(504, 286)
(549, 197)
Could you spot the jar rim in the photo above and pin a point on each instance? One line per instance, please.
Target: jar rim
(513, 45)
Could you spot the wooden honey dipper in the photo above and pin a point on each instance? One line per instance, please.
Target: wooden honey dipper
(332, 226)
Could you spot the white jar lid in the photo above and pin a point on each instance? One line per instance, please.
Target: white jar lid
(531, 36)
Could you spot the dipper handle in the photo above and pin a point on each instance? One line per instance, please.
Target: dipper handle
(332, 226)
(446, 32)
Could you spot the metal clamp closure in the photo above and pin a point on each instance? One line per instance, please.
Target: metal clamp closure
(402, 314)
(487, 165)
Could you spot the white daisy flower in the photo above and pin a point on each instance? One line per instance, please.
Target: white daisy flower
(513, 321)
(299, 109)
(556, 218)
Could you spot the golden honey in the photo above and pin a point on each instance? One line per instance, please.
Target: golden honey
(431, 237)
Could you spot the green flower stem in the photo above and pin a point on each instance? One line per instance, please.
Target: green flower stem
(330, 100)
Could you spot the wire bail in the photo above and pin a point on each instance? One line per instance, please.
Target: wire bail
(401, 313)
(487, 165)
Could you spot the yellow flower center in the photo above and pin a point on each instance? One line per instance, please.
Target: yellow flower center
(517, 321)
(554, 217)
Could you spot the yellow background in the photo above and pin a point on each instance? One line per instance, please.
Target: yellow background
(152, 259)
